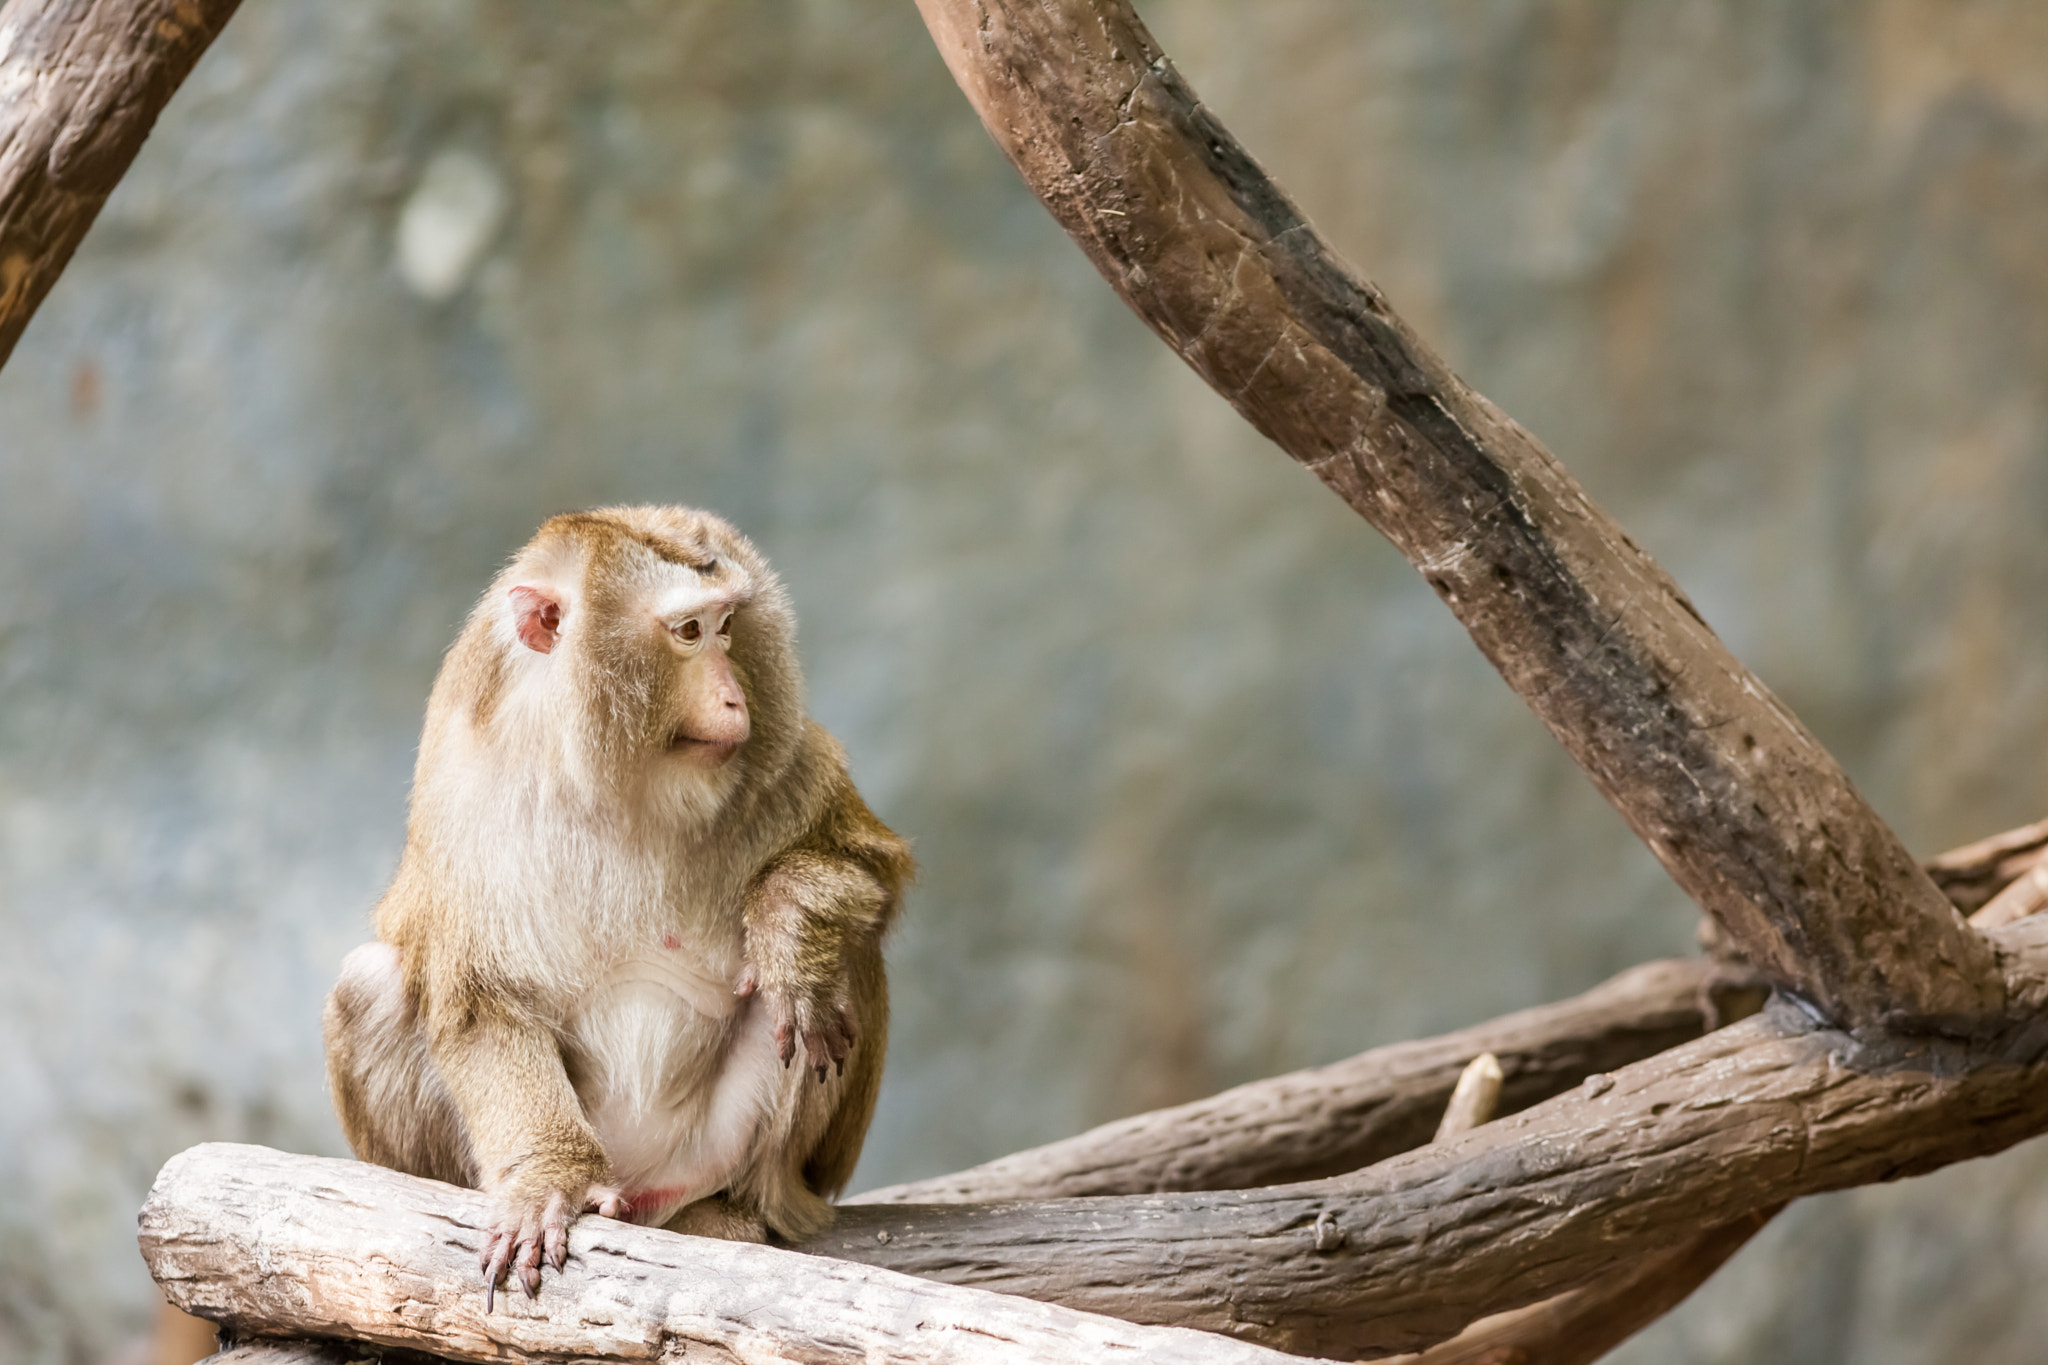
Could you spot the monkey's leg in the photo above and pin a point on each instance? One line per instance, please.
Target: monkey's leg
(719, 1217)
(536, 1155)
(394, 1109)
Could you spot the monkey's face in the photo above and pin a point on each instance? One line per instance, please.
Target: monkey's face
(705, 718)
(667, 650)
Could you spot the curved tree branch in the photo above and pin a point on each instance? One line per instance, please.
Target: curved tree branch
(1743, 806)
(1337, 1118)
(1406, 1253)
(81, 85)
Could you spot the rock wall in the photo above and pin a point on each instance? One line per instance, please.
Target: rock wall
(1205, 782)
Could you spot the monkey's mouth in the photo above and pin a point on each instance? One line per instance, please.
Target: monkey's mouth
(703, 753)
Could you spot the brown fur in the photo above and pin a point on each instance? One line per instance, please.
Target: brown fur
(555, 835)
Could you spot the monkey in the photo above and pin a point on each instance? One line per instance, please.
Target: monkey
(637, 883)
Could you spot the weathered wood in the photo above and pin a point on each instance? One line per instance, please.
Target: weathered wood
(264, 1242)
(1337, 1118)
(1531, 1205)
(1474, 1099)
(1743, 806)
(1971, 875)
(1580, 1327)
(81, 85)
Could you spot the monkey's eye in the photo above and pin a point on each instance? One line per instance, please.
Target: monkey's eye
(689, 632)
(725, 627)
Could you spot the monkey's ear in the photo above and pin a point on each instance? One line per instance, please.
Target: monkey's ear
(540, 617)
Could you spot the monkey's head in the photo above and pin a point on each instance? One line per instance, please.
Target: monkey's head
(644, 652)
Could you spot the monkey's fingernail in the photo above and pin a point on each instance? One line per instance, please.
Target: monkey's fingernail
(490, 1296)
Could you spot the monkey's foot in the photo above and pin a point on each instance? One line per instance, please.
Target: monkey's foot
(821, 1021)
(529, 1221)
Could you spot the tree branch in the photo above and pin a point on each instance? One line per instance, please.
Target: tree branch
(1350, 1114)
(1972, 875)
(81, 85)
(1742, 805)
(1548, 1200)
(267, 1243)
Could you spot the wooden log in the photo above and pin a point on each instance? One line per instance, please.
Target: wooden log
(81, 85)
(1337, 1118)
(1404, 1254)
(267, 1243)
(1741, 804)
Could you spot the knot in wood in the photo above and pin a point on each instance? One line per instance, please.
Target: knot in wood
(1329, 1233)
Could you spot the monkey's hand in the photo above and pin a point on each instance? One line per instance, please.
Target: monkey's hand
(817, 1016)
(530, 1213)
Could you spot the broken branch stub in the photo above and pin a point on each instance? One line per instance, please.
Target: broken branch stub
(1744, 807)
(81, 85)
(1474, 1099)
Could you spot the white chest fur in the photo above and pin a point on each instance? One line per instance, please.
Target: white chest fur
(678, 1076)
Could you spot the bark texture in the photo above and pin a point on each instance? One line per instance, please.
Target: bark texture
(81, 85)
(1580, 1327)
(263, 1242)
(1743, 806)
(1406, 1253)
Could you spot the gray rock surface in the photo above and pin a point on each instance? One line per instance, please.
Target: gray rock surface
(1205, 782)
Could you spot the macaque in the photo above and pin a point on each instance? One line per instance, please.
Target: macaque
(637, 886)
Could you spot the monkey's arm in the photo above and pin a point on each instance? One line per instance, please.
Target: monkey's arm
(806, 911)
(536, 1155)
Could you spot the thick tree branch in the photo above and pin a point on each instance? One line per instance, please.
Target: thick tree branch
(1548, 1200)
(1743, 806)
(81, 85)
(267, 1243)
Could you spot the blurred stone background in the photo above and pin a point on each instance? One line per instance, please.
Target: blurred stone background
(1205, 782)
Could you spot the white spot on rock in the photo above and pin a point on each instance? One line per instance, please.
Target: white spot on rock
(447, 224)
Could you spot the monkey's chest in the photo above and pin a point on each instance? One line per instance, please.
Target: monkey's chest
(676, 1077)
